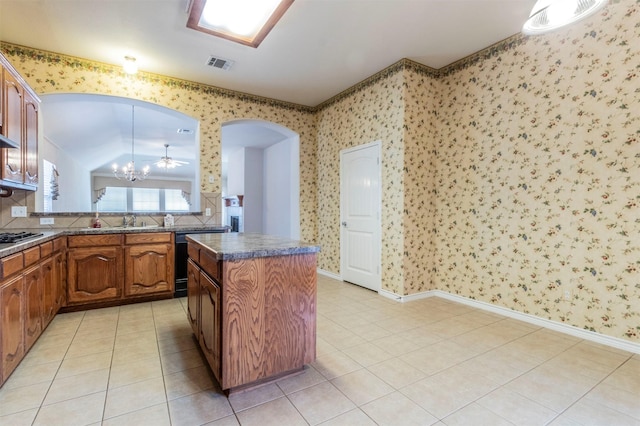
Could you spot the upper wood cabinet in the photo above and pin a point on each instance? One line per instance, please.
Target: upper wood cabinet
(30, 149)
(12, 127)
(19, 108)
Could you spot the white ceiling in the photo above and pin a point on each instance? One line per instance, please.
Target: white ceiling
(318, 49)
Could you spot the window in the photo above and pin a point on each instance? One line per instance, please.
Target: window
(145, 199)
(123, 199)
(113, 200)
(174, 201)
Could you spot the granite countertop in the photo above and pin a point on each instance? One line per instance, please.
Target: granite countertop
(230, 246)
(50, 234)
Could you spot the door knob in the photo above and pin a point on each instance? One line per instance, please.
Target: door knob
(344, 224)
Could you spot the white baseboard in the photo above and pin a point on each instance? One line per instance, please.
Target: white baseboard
(571, 330)
(329, 274)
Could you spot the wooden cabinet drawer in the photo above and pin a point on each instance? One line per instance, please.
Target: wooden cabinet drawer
(193, 252)
(11, 264)
(46, 249)
(145, 238)
(59, 244)
(31, 255)
(211, 265)
(95, 240)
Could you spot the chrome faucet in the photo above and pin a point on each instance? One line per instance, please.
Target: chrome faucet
(126, 222)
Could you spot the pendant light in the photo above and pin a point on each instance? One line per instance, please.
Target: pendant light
(548, 15)
(129, 171)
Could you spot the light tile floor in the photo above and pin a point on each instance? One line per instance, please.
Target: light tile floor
(378, 362)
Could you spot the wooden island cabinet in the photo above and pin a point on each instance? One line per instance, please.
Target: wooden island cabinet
(252, 305)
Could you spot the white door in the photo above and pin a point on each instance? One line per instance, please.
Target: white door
(360, 215)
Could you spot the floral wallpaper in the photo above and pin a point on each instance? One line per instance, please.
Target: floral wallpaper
(538, 180)
(375, 112)
(48, 72)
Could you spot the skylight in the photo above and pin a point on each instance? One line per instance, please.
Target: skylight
(244, 21)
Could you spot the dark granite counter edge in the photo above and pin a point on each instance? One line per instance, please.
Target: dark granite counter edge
(296, 247)
(50, 234)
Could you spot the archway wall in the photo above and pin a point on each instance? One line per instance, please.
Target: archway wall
(54, 73)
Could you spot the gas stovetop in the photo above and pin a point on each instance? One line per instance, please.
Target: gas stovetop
(16, 237)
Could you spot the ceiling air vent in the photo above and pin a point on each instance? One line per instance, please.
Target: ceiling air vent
(223, 64)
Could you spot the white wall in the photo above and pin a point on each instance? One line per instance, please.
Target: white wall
(281, 212)
(253, 190)
(74, 180)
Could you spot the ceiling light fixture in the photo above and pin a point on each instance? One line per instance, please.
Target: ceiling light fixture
(548, 15)
(167, 162)
(129, 65)
(129, 171)
(244, 21)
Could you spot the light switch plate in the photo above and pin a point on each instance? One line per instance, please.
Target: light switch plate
(46, 221)
(18, 211)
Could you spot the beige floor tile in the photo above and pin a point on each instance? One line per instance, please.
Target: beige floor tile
(438, 357)
(370, 331)
(157, 415)
(273, 413)
(550, 388)
(335, 364)
(124, 354)
(142, 338)
(179, 361)
(135, 326)
(79, 411)
(324, 348)
(435, 397)
(396, 345)
(309, 377)
(22, 398)
(188, 382)
(134, 397)
(23, 418)
(500, 365)
(516, 408)
(362, 386)
(72, 387)
(477, 415)
(354, 417)
(617, 399)
(199, 408)
(225, 421)
(367, 354)
(397, 409)
(626, 377)
(177, 344)
(136, 370)
(26, 375)
(590, 413)
(45, 355)
(397, 373)
(82, 346)
(253, 397)
(83, 364)
(320, 403)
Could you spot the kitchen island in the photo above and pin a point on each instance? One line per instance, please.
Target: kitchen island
(252, 305)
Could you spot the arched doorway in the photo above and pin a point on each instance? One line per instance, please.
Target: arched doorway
(261, 164)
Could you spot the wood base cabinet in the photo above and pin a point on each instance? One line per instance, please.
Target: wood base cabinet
(149, 264)
(95, 274)
(12, 307)
(255, 318)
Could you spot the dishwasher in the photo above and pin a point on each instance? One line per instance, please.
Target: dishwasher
(181, 257)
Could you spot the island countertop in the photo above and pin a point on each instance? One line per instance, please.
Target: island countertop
(231, 246)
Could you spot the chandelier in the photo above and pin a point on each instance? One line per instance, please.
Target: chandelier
(129, 171)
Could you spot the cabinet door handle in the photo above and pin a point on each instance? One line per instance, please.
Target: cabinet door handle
(32, 178)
